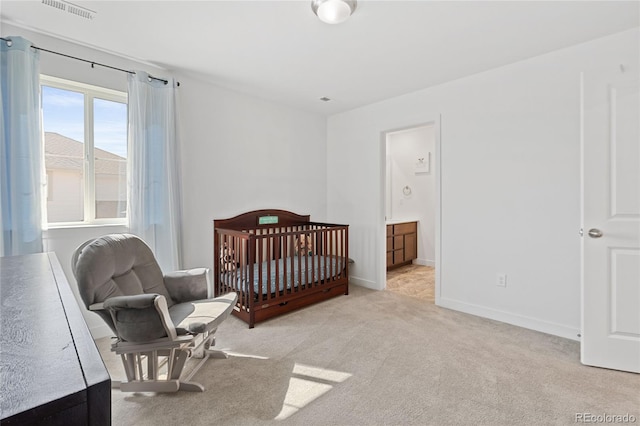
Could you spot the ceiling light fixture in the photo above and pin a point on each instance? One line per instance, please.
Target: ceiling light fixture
(333, 11)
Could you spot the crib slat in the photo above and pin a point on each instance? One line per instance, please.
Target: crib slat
(234, 247)
(276, 255)
(293, 266)
(259, 262)
(305, 277)
(238, 274)
(287, 255)
(324, 252)
(252, 260)
(336, 252)
(270, 283)
(303, 260)
(332, 241)
(338, 258)
(314, 248)
(341, 254)
(296, 288)
(311, 281)
(237, 279)
(308, 279)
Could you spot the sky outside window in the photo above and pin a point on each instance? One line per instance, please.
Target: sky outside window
(63, 113)
(110, 126)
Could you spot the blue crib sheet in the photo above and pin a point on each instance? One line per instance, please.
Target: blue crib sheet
(306, 270)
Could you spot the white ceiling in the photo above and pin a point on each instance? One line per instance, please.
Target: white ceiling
(279, 50)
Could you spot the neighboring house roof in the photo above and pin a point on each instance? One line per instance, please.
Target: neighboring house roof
(61, 152)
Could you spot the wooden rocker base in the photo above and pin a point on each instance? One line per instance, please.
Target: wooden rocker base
(168, 355)
(157, 386)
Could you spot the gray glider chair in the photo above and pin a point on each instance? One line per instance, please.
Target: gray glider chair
(159, 320)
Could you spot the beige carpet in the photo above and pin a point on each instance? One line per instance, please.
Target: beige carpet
(379, 358)
(413, 280)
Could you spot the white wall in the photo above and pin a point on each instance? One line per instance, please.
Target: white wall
(238, 153)
(404, 148)
(510, 184)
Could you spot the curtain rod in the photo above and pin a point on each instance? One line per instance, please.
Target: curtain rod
(93, 63)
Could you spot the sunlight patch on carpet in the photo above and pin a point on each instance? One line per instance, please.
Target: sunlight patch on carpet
(308, 385)
(320, 373)
(239, 355)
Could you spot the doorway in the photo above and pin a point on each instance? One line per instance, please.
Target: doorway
(411, 210)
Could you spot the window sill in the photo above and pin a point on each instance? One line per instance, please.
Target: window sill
(53, 227)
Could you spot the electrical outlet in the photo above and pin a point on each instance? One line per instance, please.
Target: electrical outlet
(502, 280)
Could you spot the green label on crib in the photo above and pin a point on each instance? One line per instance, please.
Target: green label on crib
(267, 220)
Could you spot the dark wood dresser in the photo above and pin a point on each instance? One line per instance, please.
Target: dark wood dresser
(402, 243)
(50, 369)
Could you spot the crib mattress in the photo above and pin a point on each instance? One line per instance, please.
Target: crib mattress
(306, 270)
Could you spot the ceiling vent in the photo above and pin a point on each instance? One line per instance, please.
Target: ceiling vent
(68, 7)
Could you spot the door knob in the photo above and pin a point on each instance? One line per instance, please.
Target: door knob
(595, 233)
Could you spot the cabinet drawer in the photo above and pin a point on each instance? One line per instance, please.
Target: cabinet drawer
(389, 258)
(405, 228)
(389, 243)
(398, 242)
(389, 230)
(398, 256)
(410, 247)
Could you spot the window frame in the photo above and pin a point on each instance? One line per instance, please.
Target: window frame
(90, 92)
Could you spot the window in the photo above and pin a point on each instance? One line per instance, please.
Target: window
(85, 145)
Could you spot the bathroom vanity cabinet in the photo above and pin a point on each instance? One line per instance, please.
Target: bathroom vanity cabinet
(402, 243)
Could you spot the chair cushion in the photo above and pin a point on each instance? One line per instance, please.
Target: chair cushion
(136, 318)
(118, 265)
(202, 315)
(188, 285)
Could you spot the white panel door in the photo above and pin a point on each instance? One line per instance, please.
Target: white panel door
(611, 218)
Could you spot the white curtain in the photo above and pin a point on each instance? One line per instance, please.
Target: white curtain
(154, 209)
(21, 150)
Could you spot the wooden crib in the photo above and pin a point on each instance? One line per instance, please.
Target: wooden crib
(278, 261)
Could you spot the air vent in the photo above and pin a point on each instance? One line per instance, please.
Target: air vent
(74, 9)
(55, 3)
(81, 12)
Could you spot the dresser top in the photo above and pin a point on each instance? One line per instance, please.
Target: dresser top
(46, 351)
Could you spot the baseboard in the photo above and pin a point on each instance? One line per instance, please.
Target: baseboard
(511, 318)
(363, 283)
(424, 262)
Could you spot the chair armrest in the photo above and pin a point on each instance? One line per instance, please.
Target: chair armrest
(189, 285)
(96, 307)
(141, 317)
(137, 301)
